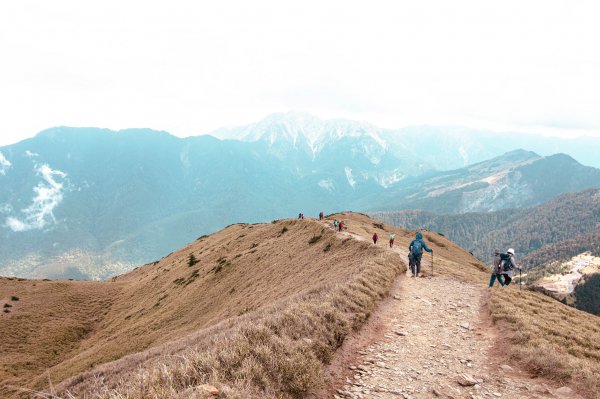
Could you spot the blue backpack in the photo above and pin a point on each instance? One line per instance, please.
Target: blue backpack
(417, 247)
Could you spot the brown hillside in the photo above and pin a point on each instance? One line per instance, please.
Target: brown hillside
(64, 328)
(313, 317)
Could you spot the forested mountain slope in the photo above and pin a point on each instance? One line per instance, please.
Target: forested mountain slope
(527, 230)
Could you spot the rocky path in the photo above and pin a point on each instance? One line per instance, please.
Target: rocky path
(437, 345)
(434, 340)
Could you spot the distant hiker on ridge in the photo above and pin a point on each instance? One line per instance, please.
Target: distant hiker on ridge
(335, 224)
(375, 237)
(496, 269)
(321, 215)
(341, 226)
(508, 265)
(415, 253)
(392, 236)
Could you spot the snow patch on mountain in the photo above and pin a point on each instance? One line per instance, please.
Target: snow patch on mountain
(327, 184)
(349, 176)
(389, 180)
(48, 195)
(298, 128)
(4, 164)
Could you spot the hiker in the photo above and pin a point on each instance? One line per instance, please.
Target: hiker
(508, 265)
(392, 236)
(415, 252)
(299, 216)
(341, 225)
(375, 237)
(496, 269)
(321, 215)
(335, 224)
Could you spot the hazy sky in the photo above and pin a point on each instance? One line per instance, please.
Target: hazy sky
(189, 67)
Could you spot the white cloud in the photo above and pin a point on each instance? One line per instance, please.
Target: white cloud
(502, 65)
(30, 154)
(48, 194)
(4, 164)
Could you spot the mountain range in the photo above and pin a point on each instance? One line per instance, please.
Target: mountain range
(438, 147)
(90, 203)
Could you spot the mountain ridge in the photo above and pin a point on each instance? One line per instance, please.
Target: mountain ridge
(89, 203)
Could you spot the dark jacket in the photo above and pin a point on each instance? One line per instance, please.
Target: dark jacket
(423, 245)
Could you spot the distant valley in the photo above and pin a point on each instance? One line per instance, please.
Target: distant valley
(91, 203)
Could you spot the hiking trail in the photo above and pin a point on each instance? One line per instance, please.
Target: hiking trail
(431, 338)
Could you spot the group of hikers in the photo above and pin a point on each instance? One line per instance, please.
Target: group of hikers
(503, 268)
(415, 251)
(339, 225)
(376, 237)
(415, 248)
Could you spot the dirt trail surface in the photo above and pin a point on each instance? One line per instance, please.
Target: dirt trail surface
(432, 338)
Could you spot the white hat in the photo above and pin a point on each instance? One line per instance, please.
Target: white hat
(511, 251)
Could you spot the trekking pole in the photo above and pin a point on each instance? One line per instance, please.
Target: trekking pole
(520, 279)
(431, 263)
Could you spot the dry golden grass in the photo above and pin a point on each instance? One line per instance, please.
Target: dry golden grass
(275, 352)
(45, 325)
(265, 277)
(550, 339)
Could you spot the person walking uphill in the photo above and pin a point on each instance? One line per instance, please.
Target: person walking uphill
(392, 236)
(496, 269)
(375, 237)
(415, 253)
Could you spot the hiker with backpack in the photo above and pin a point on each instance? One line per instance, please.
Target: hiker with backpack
(321, 215)
(375, 237)
(415, 253)
(392, 236)
(335, 224)
(496, 269)
(508, 266)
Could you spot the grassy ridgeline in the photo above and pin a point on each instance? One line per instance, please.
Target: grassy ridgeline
(276, 351)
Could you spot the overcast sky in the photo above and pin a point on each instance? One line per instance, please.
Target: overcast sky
(188, 67)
